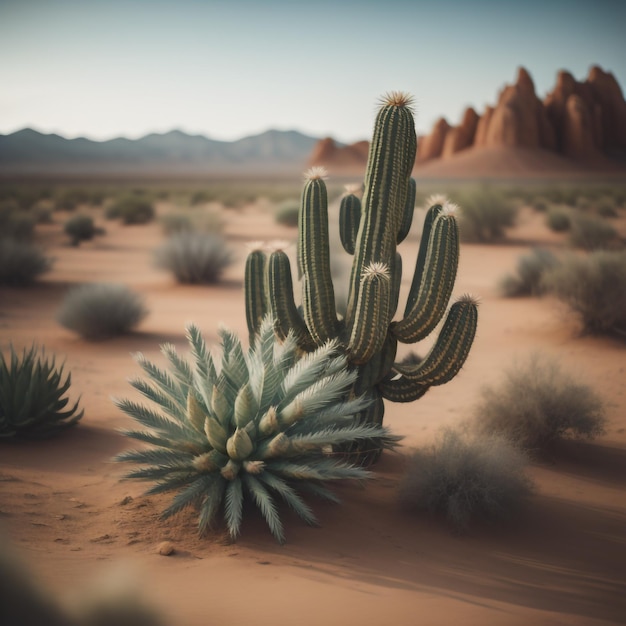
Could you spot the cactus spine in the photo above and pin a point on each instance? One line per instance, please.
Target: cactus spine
(370, 230)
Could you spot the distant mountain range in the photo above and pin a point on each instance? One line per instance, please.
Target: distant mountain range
(30, 152)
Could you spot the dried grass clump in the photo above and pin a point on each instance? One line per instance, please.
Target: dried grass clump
(194, 258)
(594, 287)
(466, 479)
(21, 263)
(537, 404)
(101, 311)
(133, 209)
(528, 277)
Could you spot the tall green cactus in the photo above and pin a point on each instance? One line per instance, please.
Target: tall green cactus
(371, 230)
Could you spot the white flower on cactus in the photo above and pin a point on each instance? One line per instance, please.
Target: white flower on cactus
(316, 172)
(376, 270)
(450, 209)
(255, 246)
(397, 99)
(436, 198)
(352, 189)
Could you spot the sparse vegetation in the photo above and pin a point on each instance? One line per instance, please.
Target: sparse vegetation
(537, 404)
(594, 287)
(32, 390)
(591, 233)
(100, 311)
(194, 258)
(466, 479)
(131, 209)
(21, 263)
(528, 277)
(80, 228)
(256, 428)
(198, 220)
(558, 219)
(486, 213)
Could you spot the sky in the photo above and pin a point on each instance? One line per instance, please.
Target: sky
(227, 69)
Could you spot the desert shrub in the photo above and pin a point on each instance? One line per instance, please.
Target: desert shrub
(537, 404)
(21, 263)
(195, 258)
(100, 311)
(80, 228)
(606, 207)
(202, 196)
(485, 214)
(582, 203)
(528, 277)
(257, 427)
(539, 204)
(131, 209)
(594, 287)
(32, 390)
(591, 233)
(287, 213)
(558, 219)
(198, 220)
(466, 479)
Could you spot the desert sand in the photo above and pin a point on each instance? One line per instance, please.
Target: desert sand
(75, 523)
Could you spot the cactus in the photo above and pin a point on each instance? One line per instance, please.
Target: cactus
(258, 426)
(371, 230)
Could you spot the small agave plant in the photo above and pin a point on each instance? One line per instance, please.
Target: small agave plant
(32, 396)
(261, 427)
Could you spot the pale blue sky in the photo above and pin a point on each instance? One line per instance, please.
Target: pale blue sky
(231, 68)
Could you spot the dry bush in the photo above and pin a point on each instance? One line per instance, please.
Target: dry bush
(194, 258)
(132, 209)
(100, 311)
(198, 220)
(287, 213)
(591, 233)
(80, 227)
(594, 287)
(528, 277)
(538, 404)
(558, 220)
(465, 479)
(485, 214)
(21, 263)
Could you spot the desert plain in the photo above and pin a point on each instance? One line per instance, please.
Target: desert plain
(76, 526)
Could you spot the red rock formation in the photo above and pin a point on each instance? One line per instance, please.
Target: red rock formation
(480, 139)
(461, 137)
(578, 129)
(431, 146)
(339, 158)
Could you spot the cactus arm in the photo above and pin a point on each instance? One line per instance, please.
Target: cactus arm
(409, 208)
(373, 303)
(377, 368)
(349, 219)
(436, 285)
(422, 254)
(448, 355)
(402, 390)
(255, 292)
(318, 297)
(282, 305)
(395, 273)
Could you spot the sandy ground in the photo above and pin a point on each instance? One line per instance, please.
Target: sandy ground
(75, 523)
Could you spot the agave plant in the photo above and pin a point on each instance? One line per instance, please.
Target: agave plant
(31, 396)
(259, 426)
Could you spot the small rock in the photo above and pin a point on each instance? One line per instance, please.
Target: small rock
(126, 500)
(166, 548)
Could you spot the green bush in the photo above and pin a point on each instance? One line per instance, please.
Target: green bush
(287, 213)
(594, 287)
(258, 427)
(80, 228)
(32, 390)
(466, 480)
(537, 404)
(591, 233)
(101, 311)
(528, 277)
(540, 204)
(132, 209)
(194, 258)
(485, 215)
(21, 263)
(606, 207)
(558, 220)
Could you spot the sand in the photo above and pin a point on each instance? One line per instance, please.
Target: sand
(74, 522)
